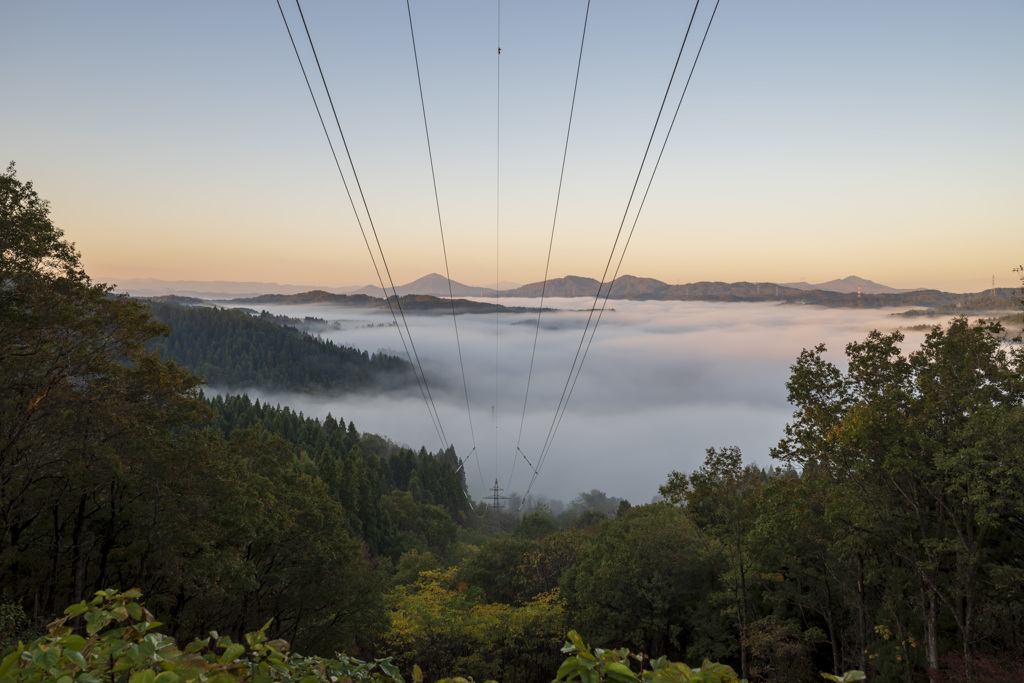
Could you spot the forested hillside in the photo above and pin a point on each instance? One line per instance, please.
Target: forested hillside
(233, 349)
(892, 541)
(394, 499)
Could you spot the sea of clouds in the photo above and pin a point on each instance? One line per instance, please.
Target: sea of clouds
(662, 382)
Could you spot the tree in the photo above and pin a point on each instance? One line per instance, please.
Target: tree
(445, 627)
(32, 247)
(636, 584)
(80, 397)
(721, 497)
(933, 443)
(541, 570)
(493, 567)
(537, 524)
(810, 554)
(596, 501)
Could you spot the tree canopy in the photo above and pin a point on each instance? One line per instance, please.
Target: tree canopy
(232, 349)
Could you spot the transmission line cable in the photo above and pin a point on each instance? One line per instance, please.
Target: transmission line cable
(369, 218)
(497, 237)
(643, 199)
(440, 225)
(421, 378)
(551, 243)
(574, 372)
(597, 297)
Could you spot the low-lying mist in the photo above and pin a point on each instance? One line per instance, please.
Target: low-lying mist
(663, 381)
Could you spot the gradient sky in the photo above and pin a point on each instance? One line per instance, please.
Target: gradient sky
(818, 139)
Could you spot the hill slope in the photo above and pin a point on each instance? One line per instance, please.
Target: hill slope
(231, 348)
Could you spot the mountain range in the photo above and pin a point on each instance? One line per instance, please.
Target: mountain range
(434, 284)
(625, 287)
(431, 293)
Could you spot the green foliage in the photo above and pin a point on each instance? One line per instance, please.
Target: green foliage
(448, 628)
(537, 524)
(411, 564)
(919, 464)
(636, 582)
(113, 637)
(722, 497)
(13, 620)
(232, 348)
(32, 247)
(615, 666)
(428, 528)
(394, 498)
(493, 568)
(541, 570)
(779, 651)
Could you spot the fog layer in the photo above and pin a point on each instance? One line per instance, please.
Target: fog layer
(663, 381)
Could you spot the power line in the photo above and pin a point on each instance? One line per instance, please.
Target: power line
(551, 243)
(597, 297)
(440, 225)
(571, 381)
(650, 180)
(592, 322)
(421, 378)
(643, 200)
(369, 219)
(497, 236)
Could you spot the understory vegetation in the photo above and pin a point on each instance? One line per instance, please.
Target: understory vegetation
(891, 541)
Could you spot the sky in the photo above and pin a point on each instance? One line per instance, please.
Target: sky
(816, 140)
(662, 383)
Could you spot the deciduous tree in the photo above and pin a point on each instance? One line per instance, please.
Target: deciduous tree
(933, 443)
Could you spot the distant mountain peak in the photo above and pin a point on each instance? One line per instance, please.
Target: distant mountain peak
(847, 285)
(433, 284)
